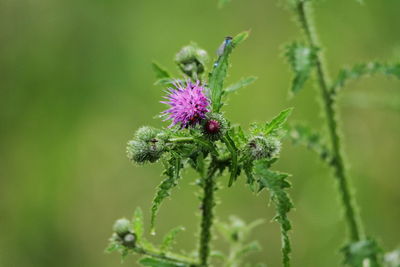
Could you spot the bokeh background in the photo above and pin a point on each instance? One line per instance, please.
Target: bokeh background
(76, 81)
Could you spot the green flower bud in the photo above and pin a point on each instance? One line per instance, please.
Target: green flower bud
(214, 126)
(146, 133)
(122, 227)
(260, 147)
(129, 240)
(192, 60)
(148, 146)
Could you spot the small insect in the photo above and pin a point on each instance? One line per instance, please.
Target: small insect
(222, 47)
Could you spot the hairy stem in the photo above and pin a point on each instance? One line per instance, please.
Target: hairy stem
(305, 19)
(207, 216)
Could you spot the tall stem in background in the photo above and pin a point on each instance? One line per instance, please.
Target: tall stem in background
(329, 103)
(207, 216)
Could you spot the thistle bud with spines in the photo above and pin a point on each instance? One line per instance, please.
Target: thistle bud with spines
(214, 126)
(191, 60)
(148, 145)
(261, 147)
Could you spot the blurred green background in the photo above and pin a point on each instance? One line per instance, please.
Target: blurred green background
(76, 81)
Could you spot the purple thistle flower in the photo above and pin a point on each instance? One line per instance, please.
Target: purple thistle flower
(188, 105)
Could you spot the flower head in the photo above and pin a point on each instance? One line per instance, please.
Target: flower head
(188, 104)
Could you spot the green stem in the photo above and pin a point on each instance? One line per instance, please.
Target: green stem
(329, 102)
(208, 203)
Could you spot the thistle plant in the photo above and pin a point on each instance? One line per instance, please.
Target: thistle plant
(201, 137)
(305, 58)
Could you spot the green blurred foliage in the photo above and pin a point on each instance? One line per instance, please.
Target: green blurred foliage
(76, 81)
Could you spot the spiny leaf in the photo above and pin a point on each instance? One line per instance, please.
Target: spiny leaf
(172, 171)
(153, 262)
(160, 72)
(302, 60)
(303, 135)
(170, 237)
(137, 224)
(358, 252)
(277, 184)
(277, 122)
(240, 84)
(362, 70)
(220, 69)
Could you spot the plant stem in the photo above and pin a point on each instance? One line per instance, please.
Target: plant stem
(207, 216)
(329, 102)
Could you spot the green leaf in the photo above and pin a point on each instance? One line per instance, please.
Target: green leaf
(277, 184)
(238, 39)
(159, 71)
(362, 70)
(303, 135)
(164, 81)
(170, 237)
(357, 253)
(302, 60)
(234, 168)
(240, 84)
(392, 259)
(153, 262)
(172, 171)
(220, 69)
(277, 122)
(137, 224)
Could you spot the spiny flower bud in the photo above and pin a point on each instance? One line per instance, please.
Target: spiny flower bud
(129, 240)
(260, 147)
(214, 126)
(191, 60)
(122, 227)
(148, 145)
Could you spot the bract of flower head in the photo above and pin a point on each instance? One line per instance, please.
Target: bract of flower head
(188, 104)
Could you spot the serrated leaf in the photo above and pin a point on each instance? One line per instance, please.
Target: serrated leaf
(172, 173)
(302, 60)
(358, 253)
(159, 71)
(303, 135)
(170, 237)
(240, 84)
(220, 69)
(153, 262)
(137, 224)
(277, 122)
(362, 70)
(277, 184)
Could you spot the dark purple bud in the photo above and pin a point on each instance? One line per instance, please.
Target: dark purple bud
(212, 127)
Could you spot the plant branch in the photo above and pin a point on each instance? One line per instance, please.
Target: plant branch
(305, 19)
(207, 215)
